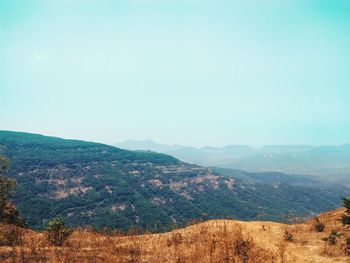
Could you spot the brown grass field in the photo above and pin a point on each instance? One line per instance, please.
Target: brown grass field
(206, 242)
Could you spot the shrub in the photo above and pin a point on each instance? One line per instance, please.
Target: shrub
(347, 246)
(288, 236)
(57, 232)
(318, 226)
(332, 238)
(11, 236)
(242, 248)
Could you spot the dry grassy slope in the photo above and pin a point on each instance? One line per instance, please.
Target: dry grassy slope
(211, 241)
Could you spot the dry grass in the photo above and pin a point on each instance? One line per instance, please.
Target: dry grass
(207, 242)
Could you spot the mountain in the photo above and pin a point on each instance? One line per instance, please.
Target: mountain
(286, 148)
(208, 156)
(212, 241)
(94, 184)
(147, 145)
(274, 178)
(325, 163)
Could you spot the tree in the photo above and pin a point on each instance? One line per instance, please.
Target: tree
(4, 165)
(346, 222)
(57, 231)
(346, 217)
(6, 185)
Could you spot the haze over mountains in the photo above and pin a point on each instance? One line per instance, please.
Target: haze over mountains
(326, 163)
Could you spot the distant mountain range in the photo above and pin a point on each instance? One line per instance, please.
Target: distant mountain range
(94, 184)
(327, 163)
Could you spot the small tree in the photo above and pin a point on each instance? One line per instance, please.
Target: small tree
(4, 165)
(57, 231)
(346, 217)
(346, 222)
(6, 185)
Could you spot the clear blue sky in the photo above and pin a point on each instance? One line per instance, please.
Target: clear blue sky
(195, 72)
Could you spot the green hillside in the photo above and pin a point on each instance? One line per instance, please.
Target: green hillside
(95, 184)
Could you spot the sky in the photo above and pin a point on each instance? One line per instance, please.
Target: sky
(190, 72)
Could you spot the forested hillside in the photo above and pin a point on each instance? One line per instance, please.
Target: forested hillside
(94, 184)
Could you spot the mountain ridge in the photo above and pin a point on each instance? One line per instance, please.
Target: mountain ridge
(328, 163)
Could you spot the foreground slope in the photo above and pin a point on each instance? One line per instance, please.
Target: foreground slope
(94, 184)
(212, 241)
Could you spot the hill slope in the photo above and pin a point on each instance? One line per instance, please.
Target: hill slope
(208, 242)
(95, 184)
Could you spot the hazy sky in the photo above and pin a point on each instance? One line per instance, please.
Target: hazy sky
(195, 72)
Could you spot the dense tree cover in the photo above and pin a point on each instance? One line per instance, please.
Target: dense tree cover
(25, 149)
(94, 184)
